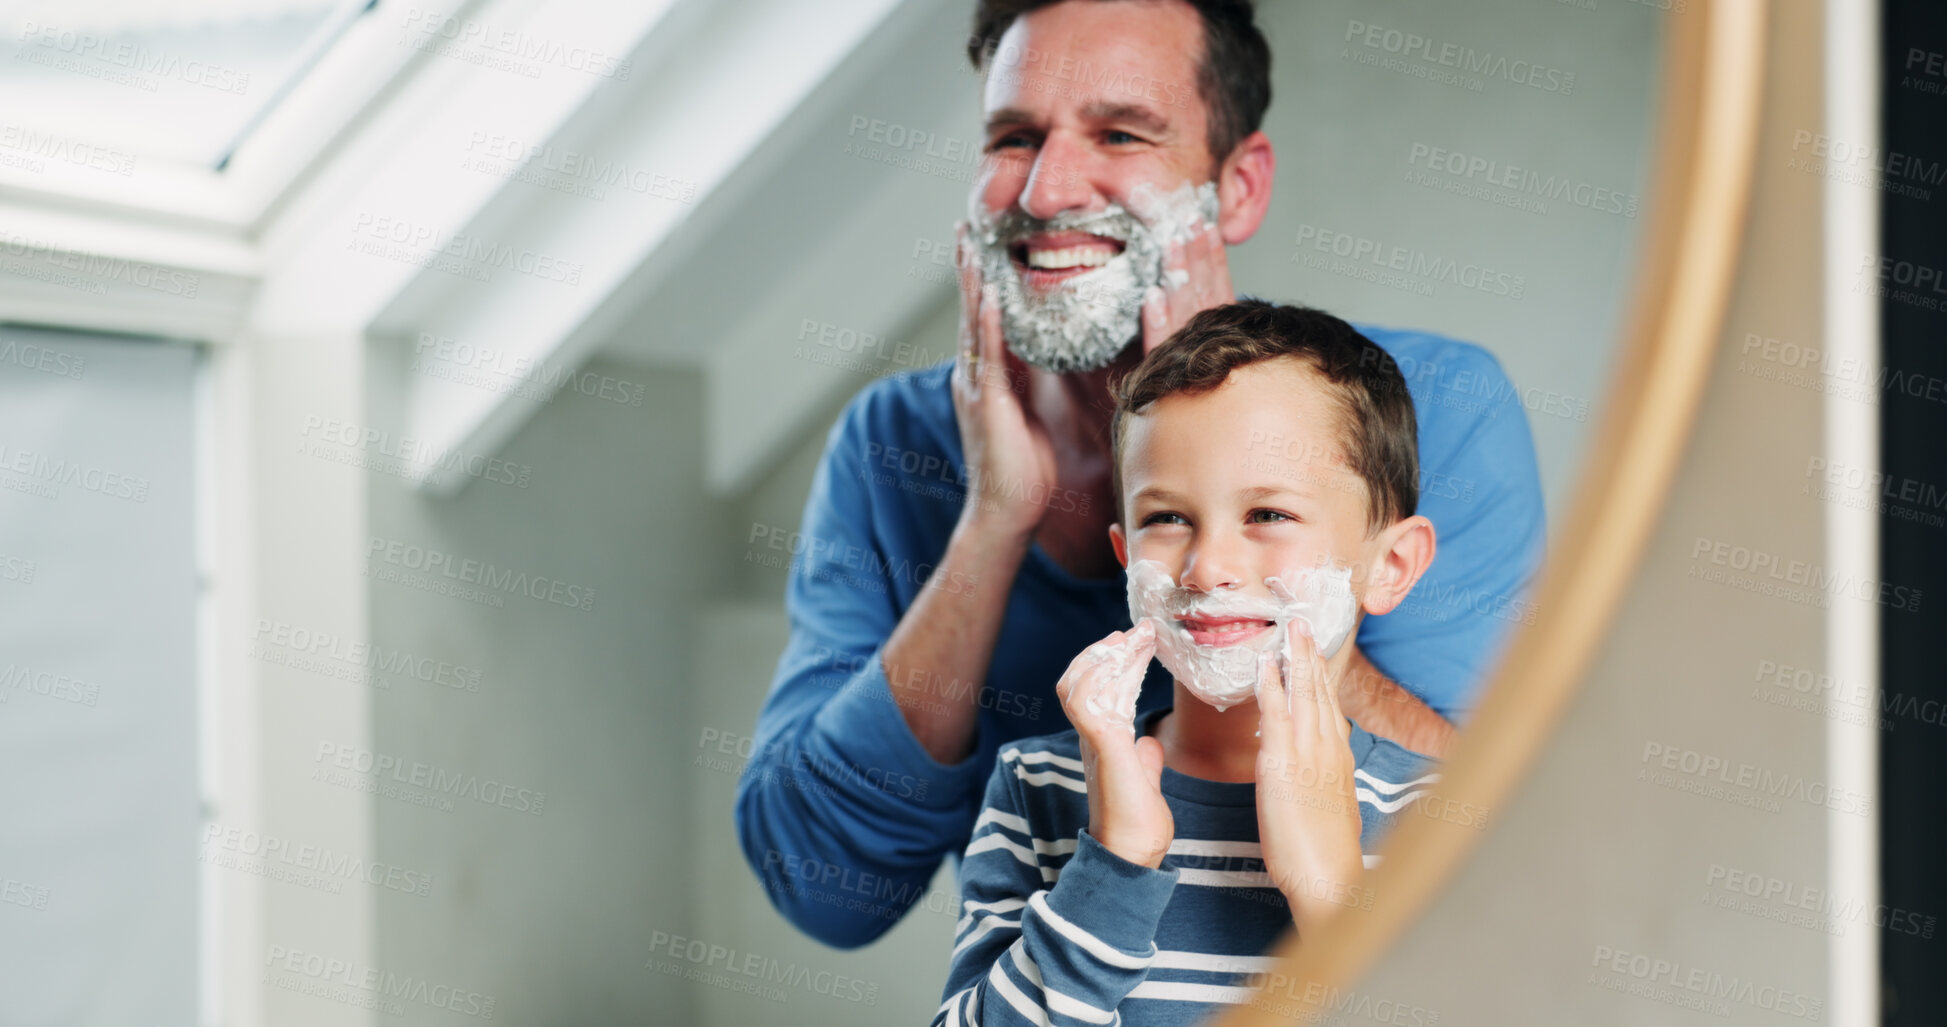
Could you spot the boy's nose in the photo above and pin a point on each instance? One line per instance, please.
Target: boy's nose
(1208, 572)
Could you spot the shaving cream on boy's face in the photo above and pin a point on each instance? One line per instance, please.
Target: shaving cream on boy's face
(1220, 666)
(1086, 319)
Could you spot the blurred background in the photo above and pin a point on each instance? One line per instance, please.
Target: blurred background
(406, 410)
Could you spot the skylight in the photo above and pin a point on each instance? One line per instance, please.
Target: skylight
(103, 84)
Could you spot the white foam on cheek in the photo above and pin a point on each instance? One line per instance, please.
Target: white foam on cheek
(1225, 676)
(1178, 215)
(1323, 597)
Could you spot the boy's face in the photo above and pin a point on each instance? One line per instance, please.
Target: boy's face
(1246, 482)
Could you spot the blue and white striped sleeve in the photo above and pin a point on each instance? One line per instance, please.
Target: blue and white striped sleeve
(1041, 945)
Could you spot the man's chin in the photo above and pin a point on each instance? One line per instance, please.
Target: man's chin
(1067, 356)
(1062, 364)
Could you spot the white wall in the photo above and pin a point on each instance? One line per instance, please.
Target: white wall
(553, 914)
(1346, 134)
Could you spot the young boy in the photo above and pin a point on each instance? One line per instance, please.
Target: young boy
(1135, 871)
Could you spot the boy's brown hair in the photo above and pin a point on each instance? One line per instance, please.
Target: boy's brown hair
(1378, 432)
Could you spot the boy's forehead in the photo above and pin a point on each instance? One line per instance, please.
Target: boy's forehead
(1273, 424)
(1282, 403)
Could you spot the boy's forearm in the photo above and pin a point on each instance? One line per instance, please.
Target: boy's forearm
(1315, 899)
(1378, 704)
(1084, 943)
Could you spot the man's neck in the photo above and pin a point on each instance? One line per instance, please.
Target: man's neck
(1076, 410)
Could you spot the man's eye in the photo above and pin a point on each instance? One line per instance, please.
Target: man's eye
(1012, 141)
(1117, 137)
(1269, 516)
(1164, 518)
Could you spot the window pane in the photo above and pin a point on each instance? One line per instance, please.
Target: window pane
(176, 80)
(98, 769)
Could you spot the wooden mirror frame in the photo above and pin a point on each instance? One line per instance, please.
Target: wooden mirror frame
(1705, 149)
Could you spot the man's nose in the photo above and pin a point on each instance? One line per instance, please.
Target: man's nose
(1055, 181)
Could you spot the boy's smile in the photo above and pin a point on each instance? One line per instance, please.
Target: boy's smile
(1223, 630)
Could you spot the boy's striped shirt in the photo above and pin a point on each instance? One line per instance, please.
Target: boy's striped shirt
(1057, 930)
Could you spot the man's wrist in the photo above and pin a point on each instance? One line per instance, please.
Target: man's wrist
(993, 531)
(1383, 708)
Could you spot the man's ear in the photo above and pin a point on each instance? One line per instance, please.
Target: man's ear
(1406, 551)
(1244, 188)
(1119, 542)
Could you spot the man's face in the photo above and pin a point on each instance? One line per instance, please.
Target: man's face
(1096, 144)
(1241, 497)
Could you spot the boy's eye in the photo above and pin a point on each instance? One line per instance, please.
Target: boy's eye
(1268, 517)
(1164, 517)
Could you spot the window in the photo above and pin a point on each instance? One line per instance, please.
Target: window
(108, 84)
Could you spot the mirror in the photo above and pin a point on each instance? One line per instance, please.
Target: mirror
(522, 369)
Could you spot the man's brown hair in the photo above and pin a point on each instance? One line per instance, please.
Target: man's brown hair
(1233, 77)
(1378, 432)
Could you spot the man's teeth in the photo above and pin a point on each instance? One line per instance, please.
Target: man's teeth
(1074, 256)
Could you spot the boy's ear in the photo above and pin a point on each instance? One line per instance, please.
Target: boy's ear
(1119, 542)
(1405, 552)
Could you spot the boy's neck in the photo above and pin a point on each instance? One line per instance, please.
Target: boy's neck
(1201, 742)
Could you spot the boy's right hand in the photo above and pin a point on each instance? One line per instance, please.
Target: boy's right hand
(1126, 810)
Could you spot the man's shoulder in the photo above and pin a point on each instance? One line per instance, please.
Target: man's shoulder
(919, 395)
(901, 422)
(1422, 354)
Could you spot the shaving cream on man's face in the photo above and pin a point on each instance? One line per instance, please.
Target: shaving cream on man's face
(1082, 323)
(1216, 657)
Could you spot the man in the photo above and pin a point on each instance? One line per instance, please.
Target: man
(957, 553)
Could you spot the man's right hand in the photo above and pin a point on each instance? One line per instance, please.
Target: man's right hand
(1010, 459)
(1126, 809)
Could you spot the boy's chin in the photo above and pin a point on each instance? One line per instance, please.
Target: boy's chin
(1220, 703)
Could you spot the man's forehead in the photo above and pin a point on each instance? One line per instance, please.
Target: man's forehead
(1100, 51)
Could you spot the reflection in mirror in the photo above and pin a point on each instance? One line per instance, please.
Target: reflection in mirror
(1467, 191)
(657, 482)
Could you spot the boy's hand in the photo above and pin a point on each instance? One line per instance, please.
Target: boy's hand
(1126, 809)
(1208, 285)
(1307, 814)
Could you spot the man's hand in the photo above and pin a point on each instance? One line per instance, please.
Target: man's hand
(1126, 809)
(1207, 285)
(1307, 814)
(1010, 459)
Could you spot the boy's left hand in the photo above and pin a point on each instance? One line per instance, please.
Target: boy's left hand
(1307, 812)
